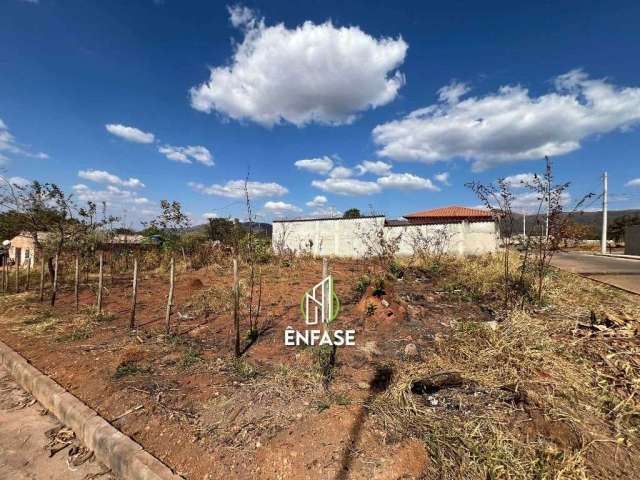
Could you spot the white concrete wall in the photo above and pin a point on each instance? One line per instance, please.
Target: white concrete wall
(465, 238)
(339, 237)
(351, 237)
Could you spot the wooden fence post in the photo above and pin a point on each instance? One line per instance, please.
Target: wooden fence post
(4, 285)
(76, 283)
(167, 317)
(28, 275)
(326, 292)
(42, 277)
(17, 275)
(236, 305)
(100, 272)
(54, 288)
(111, 268)
(134, 296)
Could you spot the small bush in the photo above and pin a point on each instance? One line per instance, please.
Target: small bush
(395, 269)
(190, 357)
(371, 309)
(362, 284)
(75, 336)
(245, 369)
(128, 368)
(378, 287)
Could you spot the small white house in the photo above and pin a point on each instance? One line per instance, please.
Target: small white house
(22, 249)
(454, 230)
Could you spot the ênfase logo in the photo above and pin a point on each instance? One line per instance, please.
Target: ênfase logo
(319, 306)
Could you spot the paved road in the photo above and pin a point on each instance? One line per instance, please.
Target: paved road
(23, 454)
(619, 272)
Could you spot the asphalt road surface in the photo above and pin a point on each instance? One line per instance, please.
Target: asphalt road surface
(23, 452)
(620, 272)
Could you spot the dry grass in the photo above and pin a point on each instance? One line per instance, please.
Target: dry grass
(29, 317)
(532, 362)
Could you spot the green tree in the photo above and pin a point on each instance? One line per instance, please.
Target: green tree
(352, 213)
(220, 229)
(169, 223)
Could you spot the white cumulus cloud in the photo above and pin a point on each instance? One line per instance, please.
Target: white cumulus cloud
(209, 215)
(510, 125)
(19, 181)
(376, 168)
(128, 205)
(112, 195)
(102, 176)
(341, 172)
(346, 186)
(520, 180)
(186, 154)
(131, 134)
(531, 201)
(236, 189)
(311, 73)
(406, 181)
(318, 201)
(321, 165)
(633, 183)
(279, 208)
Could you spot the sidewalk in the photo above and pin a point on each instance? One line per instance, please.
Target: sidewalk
(23, 455)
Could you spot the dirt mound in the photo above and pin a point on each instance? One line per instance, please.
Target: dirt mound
(132, 354)
(196, 283)
(380, 311)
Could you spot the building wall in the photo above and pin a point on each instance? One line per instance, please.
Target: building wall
(351, 237)
(26, 247)
(464, 238)
(632, 240)
(339, 237)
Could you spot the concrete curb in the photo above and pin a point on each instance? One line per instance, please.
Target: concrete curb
(123, 456)
(618, 255)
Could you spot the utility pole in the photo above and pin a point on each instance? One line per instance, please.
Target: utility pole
(524, 225)
(605, 204)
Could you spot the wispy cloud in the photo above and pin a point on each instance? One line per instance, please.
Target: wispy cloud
(9, 146)
(442, 178)
(186, 154)
(102, 176)
(318, 201)
(236, 189)
(633, 183)
(321, 165)
(375, 168)
(406, 181)
(280, 208)
(131, 134)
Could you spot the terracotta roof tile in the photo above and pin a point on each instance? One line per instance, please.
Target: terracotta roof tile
(453, 211)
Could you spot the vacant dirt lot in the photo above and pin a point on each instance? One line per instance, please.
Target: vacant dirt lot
(441, 383)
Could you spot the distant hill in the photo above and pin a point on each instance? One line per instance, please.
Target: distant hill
(258, 227)
(585, 218)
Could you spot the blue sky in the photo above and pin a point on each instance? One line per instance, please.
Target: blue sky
(473, 90)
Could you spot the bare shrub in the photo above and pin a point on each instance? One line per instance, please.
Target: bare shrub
(429, 248)
(538, 250)
(380, 249)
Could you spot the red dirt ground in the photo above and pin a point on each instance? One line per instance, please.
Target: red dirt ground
(266, 416)
(185, 409)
